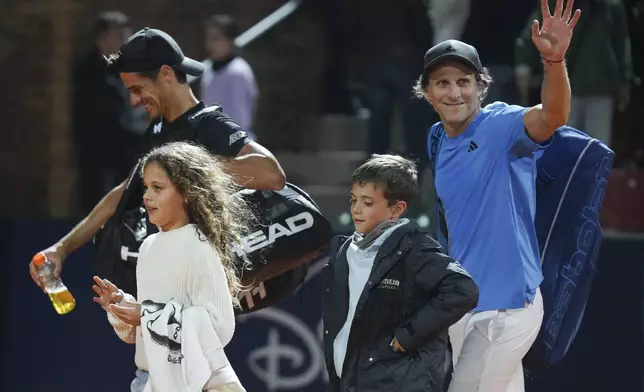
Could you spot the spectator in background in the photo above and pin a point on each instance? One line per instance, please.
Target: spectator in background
(495, 42)
(106, 128)
(390, 35)
(599, 64)
(228, 80)
(337, 96)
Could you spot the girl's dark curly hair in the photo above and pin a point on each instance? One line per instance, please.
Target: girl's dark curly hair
(222, 217)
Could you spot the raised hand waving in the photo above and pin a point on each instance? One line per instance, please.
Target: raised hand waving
(552, 37)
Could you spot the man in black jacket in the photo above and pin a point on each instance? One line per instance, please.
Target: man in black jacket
(390, 294)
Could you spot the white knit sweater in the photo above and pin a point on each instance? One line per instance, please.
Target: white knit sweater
(179, 264)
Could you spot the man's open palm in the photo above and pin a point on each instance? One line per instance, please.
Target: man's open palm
(552, 38)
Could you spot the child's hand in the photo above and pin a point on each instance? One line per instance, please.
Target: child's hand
(397, 347)
(130, 313)
(107, 292)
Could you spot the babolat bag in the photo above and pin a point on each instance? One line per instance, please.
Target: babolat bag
(572, 177)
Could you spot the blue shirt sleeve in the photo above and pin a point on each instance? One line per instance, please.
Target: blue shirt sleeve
(512, 129)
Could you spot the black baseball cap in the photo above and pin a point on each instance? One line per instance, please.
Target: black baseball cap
(148, 49)
(452, 50)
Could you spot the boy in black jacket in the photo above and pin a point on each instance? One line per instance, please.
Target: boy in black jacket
(390, 294)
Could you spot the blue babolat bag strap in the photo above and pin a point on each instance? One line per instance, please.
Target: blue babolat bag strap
(436, 136)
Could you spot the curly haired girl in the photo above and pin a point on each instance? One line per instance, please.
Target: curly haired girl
(191, 200)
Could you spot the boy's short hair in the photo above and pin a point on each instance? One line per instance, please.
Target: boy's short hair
(395, 175)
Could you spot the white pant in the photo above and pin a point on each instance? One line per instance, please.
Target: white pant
(593, 115)
(488, 348)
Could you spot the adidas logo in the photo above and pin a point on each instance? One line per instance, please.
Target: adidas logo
(473, 146)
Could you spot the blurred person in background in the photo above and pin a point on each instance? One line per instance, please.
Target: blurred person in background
(495, 42)
(228, 80)
(106, 129)
(469, 21)
(599, 64)
(631, 124)
(337, 95)
(390, 35)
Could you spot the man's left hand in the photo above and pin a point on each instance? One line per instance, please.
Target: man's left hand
(552, 38)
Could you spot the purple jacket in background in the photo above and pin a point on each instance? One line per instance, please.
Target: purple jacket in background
(233, 87)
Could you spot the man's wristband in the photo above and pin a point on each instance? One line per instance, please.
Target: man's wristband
(550, 62)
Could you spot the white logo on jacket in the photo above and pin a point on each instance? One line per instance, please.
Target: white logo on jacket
(389, 284)
(235, 136)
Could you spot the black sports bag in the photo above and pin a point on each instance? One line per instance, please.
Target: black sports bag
(289, 232)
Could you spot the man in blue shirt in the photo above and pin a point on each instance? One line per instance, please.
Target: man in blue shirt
(485, 177)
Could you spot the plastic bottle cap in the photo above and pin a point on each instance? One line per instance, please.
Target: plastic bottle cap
(39, 259)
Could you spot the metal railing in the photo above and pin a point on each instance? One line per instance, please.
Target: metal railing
(261, 27)
(267, 23)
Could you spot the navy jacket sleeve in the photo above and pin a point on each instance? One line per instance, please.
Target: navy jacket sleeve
(452, 293)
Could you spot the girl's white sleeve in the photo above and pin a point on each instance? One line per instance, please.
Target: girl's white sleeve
(208, 287)
(124, 331)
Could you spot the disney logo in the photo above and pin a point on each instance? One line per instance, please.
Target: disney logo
(275, 352)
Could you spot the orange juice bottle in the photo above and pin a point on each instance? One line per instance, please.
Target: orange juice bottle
(59, 295)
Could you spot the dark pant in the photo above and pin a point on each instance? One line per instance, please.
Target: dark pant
(389, 84)
(336, 95)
